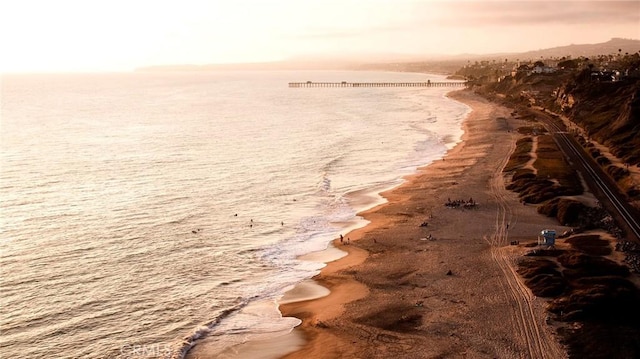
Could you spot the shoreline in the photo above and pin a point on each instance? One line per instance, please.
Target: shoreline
(364, 199)
(393, 292)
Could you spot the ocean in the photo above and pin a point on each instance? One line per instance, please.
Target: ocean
(142, 212)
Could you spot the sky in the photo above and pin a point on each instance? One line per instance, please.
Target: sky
(116, 35)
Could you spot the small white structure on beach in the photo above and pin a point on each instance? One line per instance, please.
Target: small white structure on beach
(547, 238)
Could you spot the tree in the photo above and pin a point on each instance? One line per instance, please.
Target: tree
(568, 64)
(538, 63)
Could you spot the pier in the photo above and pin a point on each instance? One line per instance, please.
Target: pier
(378, 84)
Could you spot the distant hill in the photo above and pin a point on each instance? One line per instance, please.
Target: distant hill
(605, 48)
(451, 63)
(413, 63)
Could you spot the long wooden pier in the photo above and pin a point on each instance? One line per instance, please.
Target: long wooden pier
(378, 84)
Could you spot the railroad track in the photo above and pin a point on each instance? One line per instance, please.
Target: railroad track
(528, 326)
(602, 185)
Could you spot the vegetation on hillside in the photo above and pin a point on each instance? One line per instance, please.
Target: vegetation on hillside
(601, 95)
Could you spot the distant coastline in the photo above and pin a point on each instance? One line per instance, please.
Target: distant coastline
(434, 63)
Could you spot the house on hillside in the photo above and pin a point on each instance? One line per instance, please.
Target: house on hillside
(605, 76)
(524, 68)
(543, 70)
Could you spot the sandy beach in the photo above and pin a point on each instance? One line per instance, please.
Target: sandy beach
(425, 280)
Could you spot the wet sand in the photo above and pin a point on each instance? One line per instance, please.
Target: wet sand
(444, 289)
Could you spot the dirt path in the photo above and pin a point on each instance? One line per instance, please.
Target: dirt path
(529, 326)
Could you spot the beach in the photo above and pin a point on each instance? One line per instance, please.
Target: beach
(181, 228)
(428, 280)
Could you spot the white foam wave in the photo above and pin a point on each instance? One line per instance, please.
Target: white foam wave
(182, 347)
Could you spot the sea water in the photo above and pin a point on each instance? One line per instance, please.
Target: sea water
(141, 212)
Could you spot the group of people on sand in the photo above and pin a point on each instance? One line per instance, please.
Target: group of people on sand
(343, 241)
(460, 203)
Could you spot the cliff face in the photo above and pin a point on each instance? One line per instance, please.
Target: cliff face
(608, 112)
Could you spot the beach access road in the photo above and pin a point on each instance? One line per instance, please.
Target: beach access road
(528, 322)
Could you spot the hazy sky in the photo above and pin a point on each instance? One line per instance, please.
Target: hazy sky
(90, 35)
